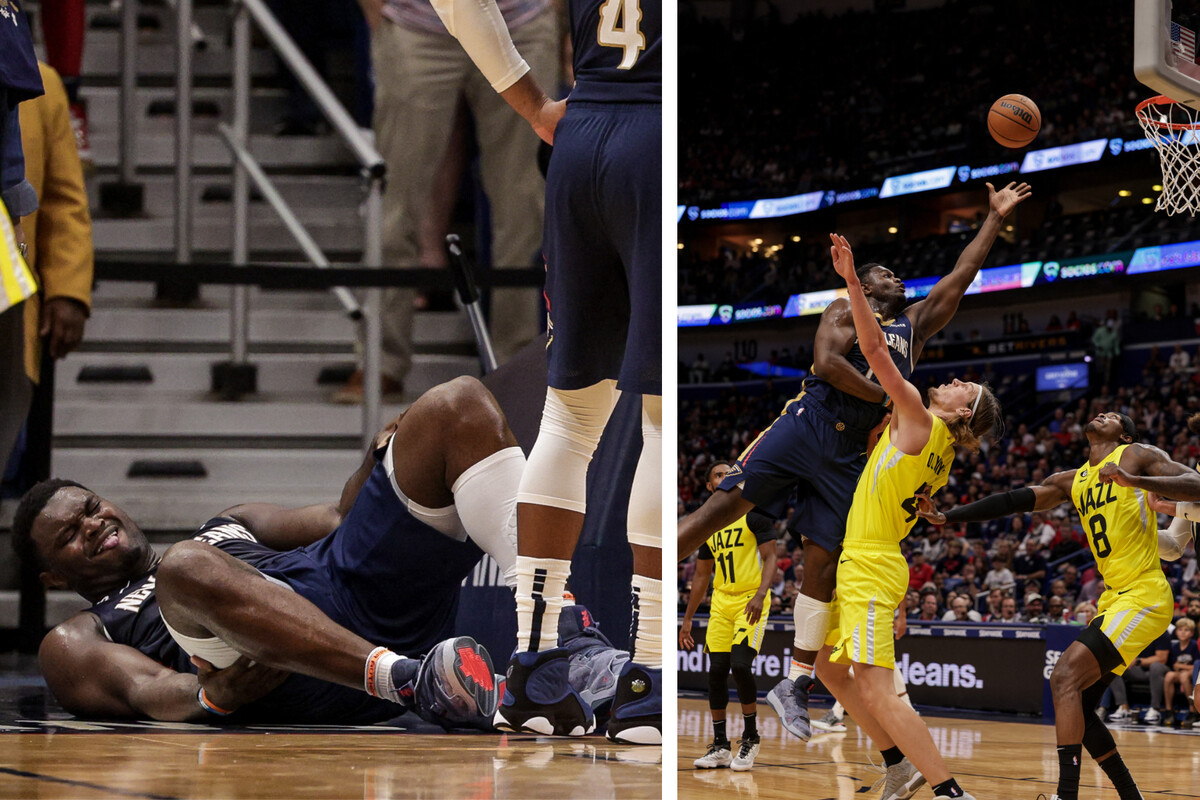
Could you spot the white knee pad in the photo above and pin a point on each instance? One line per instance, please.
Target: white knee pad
(645, 497)
(572, 421)
(812, 622)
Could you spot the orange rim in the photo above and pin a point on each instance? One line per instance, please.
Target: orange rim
(1162, 100)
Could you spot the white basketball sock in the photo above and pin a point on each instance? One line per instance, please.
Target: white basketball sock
(540, 586)
(647, 622)
(377, 675)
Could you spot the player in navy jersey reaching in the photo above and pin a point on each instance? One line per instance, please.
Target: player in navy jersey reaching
(818, 444)
(328, 613)
(602, 247)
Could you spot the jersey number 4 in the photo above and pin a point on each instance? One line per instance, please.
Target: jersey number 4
(619, 20)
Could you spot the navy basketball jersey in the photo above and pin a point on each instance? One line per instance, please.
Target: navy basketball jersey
(618, 50)
(851, 410)
(130, 616)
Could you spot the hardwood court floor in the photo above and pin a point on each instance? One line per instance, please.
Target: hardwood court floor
(369, 765)
(992, 760)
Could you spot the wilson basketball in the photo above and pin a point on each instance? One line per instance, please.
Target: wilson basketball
(1014, 120)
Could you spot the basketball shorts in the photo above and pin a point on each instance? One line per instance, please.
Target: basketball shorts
(603, 248)
(807, 449)
(1133, 618)
(727, 623)
(871, 584)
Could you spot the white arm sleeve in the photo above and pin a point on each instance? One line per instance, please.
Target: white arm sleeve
(480, 29)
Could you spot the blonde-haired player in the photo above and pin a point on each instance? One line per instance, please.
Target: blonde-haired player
(1112, 494)
(741, 559)
(913, 457)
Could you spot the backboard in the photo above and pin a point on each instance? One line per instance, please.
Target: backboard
(1164, 48)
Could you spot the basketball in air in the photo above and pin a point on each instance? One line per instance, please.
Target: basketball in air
(1014, 120)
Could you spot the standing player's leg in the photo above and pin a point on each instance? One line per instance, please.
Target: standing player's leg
(637, 707)
(631, 183)
(718, 641)
(586, 325)
(742, 664)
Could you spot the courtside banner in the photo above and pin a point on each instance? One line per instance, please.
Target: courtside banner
(983, 667)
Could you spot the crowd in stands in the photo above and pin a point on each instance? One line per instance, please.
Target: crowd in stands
(841, 102)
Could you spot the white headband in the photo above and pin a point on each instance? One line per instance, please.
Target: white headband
(975, 405)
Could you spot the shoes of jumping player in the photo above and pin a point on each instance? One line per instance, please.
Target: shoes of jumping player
(718, 755)
(902, 781)
(637, 708)
(790, 700)
(538, 697)
(455, 686)
(830, 723)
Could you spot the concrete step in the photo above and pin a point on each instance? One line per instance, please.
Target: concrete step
(286, 477)
(156, 55)
(59, 606)
(335, 230)
(279, 374)
(338, 195)
(267, 326)
(156, 150)
(183, 414)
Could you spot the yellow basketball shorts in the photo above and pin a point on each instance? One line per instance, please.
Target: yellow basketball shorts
(870, 587)
(1135, 617)
(727, 623)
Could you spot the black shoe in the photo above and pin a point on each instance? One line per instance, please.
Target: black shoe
(637, 708)
(538, 697)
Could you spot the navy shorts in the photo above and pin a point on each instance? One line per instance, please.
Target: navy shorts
(804, 449)
(603, 247)
(382, 573)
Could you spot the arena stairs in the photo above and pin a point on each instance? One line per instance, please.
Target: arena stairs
(134, 418)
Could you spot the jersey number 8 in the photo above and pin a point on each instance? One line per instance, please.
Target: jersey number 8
(627, 14)
(1099, 536)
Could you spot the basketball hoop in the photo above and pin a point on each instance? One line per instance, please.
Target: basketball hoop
(1174, 130)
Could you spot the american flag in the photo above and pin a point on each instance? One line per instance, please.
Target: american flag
(1183, 42)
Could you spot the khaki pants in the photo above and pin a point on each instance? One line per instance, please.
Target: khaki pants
(419, 79)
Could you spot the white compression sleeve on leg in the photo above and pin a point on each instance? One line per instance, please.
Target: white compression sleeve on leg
(645, 497)
(486, 498)
(1189, 511)
(480, 29)
(812, 622)
(572, 421)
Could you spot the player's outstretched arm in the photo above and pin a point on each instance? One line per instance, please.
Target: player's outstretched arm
(931, 314)
(94, 677)
(911, 421)
(480, 29)
(700, 581)
(1152, 470)
(1055, 491)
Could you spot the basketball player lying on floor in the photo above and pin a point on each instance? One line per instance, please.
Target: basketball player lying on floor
(1111, 492)
(335, 613)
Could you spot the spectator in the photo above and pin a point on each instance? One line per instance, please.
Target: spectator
(919, 572)
(1040, 531)
(1180, 662)
(1179, 360)
(1085, 612)
(1008, 610)
(961, 611)
(992, 605)
(1029, 565)
(1149, 667)
(929, 607)
(1000, 576)
(1034, 612)
(1056, 611)
(952, 563)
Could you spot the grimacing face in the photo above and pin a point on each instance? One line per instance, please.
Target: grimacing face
(86, 542)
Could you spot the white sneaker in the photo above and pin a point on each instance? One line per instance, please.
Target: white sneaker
(1122, 715)
(718, 755)
(830, 723)
(747, 750)
(1153, 717)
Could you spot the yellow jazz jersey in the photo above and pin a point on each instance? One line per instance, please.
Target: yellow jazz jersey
(1122, 532)
(885, 503)
(735, 549)
(1121, 529)
(872, 575)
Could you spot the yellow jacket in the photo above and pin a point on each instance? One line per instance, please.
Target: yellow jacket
(60, 231)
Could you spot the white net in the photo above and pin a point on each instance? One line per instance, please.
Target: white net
(1174, 130)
